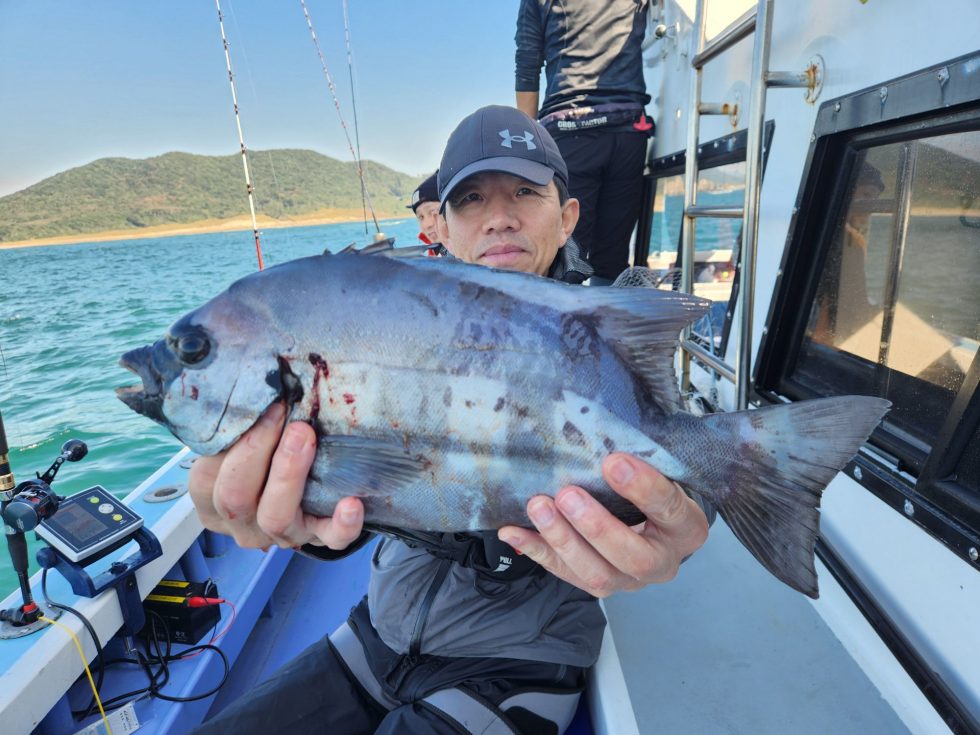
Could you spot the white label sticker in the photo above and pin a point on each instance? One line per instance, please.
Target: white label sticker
(122, 721)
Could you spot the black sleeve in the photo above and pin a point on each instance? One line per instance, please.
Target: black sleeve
(325, 553)
(530, 47)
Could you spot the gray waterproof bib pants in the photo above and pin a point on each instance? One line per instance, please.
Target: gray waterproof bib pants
(351, 684)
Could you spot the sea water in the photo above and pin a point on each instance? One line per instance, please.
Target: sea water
(67, 313)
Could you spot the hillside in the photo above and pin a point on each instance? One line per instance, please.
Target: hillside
(121, 194)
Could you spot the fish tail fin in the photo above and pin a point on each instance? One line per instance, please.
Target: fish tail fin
(768, 490)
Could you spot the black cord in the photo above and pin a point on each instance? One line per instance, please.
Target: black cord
(88, 626)
(159, 653)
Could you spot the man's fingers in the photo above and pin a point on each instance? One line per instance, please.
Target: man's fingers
(573, 554)
(279, 514)
(636, 556)
(670, 513)
(200, 486)
(239, 483)
(532, 545)
(661, 500)
(344, 527)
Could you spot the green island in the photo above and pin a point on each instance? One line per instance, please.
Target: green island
(183, 193)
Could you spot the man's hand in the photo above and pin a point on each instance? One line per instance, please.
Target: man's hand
(582, 543)
(253, 490)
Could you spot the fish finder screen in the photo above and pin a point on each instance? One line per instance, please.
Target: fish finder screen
(80, 524)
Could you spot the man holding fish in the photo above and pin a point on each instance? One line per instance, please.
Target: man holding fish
(445, 427)
(505, 206)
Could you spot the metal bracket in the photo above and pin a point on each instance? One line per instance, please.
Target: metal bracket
(811, 78)
(121, 575)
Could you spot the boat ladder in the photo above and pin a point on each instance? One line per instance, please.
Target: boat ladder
(757, 20)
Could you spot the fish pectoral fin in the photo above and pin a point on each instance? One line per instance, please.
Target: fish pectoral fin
(361, 466)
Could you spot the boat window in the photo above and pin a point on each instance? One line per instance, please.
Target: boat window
(878, 290)
(721, 181)
(898, 290)
(668, 210)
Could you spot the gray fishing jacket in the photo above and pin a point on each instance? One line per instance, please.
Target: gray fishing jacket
(591, 52)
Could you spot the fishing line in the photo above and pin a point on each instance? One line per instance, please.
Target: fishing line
(3, 363)
(241, 137)
(353, 101)
(366, 196)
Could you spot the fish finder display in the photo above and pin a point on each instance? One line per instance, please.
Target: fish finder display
(81, 525)
(88, 523)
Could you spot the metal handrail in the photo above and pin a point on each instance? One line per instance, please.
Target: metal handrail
(739, 29)
(753, 192)
(788, 79)
(714, 210)
(715, 363)
(691, 181)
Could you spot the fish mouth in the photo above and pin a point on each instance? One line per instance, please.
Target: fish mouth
(145, 398)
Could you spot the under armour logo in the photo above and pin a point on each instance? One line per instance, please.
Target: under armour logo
(508, 139)
(504, 565)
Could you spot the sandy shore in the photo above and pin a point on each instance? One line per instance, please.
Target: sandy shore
(321, 217)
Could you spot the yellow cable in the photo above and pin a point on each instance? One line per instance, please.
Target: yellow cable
(81, 653)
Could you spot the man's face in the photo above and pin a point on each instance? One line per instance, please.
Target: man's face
(504, 221)
(427, 213)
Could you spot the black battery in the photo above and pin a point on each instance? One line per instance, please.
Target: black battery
(186, 624)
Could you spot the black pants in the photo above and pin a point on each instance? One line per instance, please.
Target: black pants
(605, 173)
(318, 693)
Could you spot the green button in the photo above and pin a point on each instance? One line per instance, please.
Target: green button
(93, 499)
(117, 517)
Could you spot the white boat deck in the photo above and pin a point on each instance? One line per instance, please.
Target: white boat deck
(725, 648)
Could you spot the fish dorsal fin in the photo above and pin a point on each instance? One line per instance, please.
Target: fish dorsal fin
(642, 325)
(363, 467)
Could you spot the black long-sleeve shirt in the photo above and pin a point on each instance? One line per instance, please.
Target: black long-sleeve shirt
(591, 50)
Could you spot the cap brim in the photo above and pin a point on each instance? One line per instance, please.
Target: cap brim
(536, 173)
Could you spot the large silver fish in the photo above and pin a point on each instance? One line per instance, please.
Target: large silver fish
(446, 395)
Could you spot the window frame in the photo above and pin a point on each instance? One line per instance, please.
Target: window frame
(922, 486)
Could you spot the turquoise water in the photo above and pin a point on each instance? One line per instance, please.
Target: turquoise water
(711, 233)
(68, 312)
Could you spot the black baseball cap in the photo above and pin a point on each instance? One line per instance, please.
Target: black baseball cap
(428, 191)
(504, 139)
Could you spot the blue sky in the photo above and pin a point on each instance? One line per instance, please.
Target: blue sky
(86, 80)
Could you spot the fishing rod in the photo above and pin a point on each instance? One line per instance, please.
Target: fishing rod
(241, 138)
(343, 123)
(28, 611)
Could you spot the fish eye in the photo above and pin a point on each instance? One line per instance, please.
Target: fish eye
(192, 348)
(189, 343)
